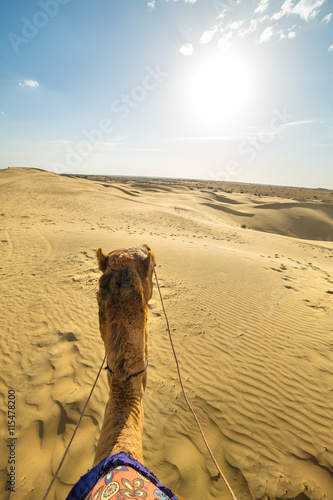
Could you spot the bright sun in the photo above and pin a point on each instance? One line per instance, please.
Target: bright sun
(220, 88)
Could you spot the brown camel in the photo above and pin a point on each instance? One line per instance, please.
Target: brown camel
(125, 288)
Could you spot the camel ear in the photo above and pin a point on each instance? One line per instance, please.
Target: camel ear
(102, 260)
(148, 262)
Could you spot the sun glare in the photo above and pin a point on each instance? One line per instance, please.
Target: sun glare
(220, 88)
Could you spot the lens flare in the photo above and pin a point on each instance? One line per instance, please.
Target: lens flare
(220, 88)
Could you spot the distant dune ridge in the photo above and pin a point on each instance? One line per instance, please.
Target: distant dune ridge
(245, 277)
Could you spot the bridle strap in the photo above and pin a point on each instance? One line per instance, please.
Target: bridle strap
(130, 376)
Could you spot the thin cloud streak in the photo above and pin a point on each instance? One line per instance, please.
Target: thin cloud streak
(243, 134)
(29, 83)
(327, 18)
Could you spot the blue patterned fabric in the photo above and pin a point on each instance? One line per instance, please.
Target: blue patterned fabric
(81, 489)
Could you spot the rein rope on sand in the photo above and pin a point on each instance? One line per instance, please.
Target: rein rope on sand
(77, 425)
(187, 401)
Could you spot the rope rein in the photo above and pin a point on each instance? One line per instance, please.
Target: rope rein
(186, 399)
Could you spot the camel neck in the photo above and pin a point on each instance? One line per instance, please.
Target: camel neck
(123, 420)
(121, 338)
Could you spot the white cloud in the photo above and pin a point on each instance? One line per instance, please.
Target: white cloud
(286, 10)
(222, 14)
(152, 4)
(308, 9)
(186, 49)
(265, 25)
(330, 48)
(3, 114)
(207, 36)
(327, 18)
(254, 23)
(29, 83)
(266, 35)
(263, 5)
(224, 43)
(236, 25)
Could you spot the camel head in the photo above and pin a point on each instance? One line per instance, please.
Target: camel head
(125, 288)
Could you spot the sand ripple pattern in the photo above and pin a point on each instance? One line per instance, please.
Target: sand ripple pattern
(248, 309)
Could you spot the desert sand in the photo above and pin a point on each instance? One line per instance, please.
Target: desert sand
(251, 317)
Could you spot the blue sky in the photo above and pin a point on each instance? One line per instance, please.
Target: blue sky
(228, 90)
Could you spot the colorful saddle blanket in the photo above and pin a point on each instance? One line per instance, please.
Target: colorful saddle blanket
(119, 477)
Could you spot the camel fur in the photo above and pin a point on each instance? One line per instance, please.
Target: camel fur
(125, 288)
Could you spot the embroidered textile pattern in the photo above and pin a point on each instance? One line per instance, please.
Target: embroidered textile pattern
(122, 483)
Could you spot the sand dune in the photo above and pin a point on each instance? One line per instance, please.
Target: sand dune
(248, 307)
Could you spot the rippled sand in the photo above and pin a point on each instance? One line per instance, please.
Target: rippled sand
(249, 310)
